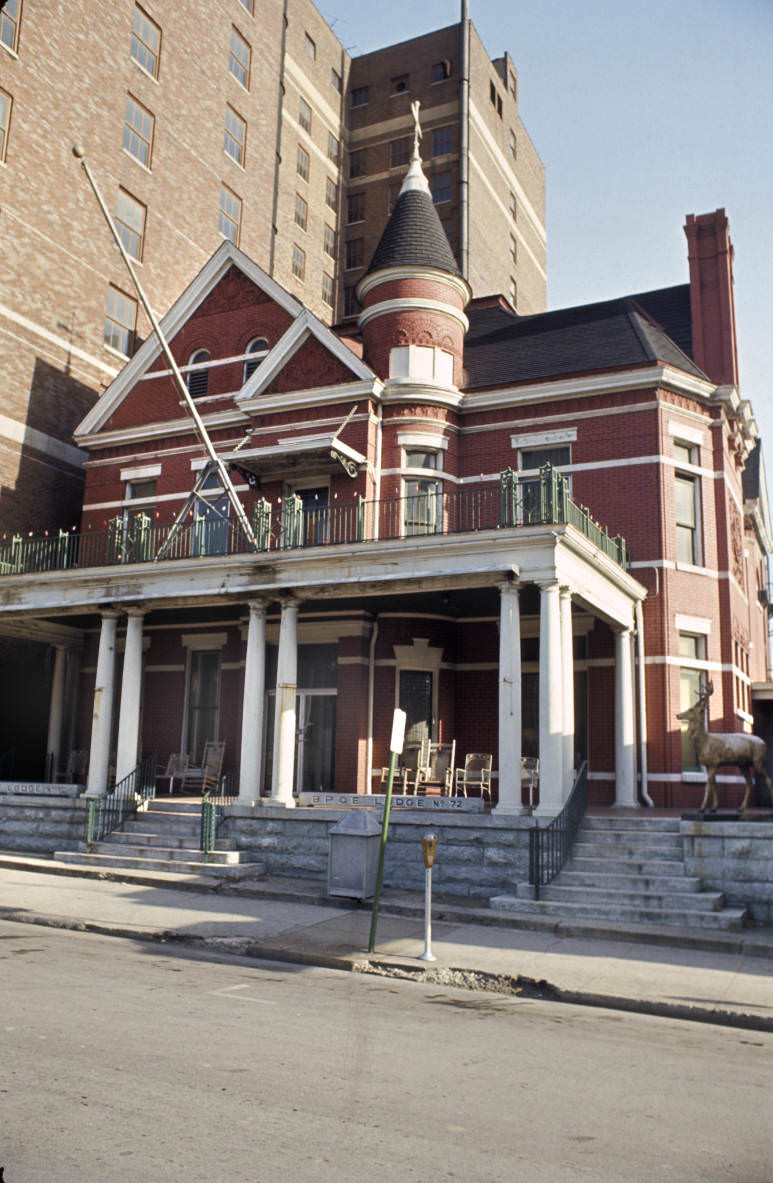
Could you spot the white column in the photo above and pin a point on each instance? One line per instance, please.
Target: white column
(551, 705)
(101, 719)
(567, 666)
(131, 697)
(56, 709)
(509, 701)
(625, 731)
(252, 705)
(284, 714)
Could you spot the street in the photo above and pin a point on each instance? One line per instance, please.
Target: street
(130, 1061)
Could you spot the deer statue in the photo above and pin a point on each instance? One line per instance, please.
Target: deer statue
(745, 751)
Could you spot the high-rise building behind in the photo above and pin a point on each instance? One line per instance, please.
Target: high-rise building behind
(263, 131)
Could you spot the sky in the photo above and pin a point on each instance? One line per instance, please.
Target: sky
(641, 113)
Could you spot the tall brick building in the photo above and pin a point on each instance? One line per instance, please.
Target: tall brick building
(247, 133)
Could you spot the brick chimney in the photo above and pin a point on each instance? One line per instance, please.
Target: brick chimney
(710, 253)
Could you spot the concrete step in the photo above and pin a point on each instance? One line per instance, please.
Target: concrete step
(585, 847)
(616, 866)
(194, 867)
(169, 805)
(643, 825)
(697, 901)
(161, 853)
(170, 839)
(628, 881)
(726, 920)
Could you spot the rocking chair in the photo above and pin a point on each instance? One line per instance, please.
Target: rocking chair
(197, 780)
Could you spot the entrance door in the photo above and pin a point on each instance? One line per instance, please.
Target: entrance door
(203, 701)
(416, 700)
(315, 717)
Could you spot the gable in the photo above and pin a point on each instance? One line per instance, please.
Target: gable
(312, 365)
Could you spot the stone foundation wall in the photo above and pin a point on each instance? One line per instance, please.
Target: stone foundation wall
(736, 858)
(477, 858)
(41, 825)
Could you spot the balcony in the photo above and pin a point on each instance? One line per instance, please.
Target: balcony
(506, 505)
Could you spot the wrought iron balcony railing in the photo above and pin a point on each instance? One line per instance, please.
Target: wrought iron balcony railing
(509, 504)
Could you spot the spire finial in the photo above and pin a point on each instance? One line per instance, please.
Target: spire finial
(414, 178)
(415, 108)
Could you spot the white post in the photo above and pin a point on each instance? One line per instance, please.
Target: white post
(509, 701)
(252, 705)
(285, 714)
(625, 773)
(567, 667)
(131, 697)
(551, 705)
(56, 710)
(99, 758)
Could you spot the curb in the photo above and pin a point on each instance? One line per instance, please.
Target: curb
(467, 979)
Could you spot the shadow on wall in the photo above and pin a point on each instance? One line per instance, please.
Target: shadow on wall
(25, 690)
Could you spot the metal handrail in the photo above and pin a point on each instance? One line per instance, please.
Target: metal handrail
(510, 503)
(109, 811)
(213, 806)
(550, 845)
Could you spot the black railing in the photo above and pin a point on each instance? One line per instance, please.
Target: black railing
(550, 845)
(213, 806)
(510, 503)
(108, 812)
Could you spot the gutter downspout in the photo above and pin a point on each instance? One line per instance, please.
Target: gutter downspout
(371, 691)
(379, 443)
(464, 142)
(642, 702)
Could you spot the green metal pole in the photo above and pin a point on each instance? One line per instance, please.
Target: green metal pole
(382, 851)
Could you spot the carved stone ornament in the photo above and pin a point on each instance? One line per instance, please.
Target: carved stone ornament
(736, 541)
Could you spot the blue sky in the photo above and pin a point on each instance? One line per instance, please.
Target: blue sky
(642, 113)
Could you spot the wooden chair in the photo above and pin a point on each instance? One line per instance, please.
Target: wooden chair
(176, 767)
(439, 769)
(530, 775)
(414, 757)
(476, 774)
(199, 780)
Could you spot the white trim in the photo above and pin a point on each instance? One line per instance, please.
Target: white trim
(30, 437)
(691, 435)
(590, 385)
(399, 390)
(421, 439)
(539, 439)
(146, 472)
(692, 624)
(426, 274)
(412, 304)
(203, 640)
(315, 396)
(149, 431)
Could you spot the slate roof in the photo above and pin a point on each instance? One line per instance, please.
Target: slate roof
(502, 347)
(750, 478)
(414, 237)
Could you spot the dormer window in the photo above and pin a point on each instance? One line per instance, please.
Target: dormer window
(198, 378)
(257, 349)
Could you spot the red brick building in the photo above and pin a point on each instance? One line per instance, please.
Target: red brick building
(416, 491)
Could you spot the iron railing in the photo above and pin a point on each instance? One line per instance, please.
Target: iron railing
(213, 806)
(510, 503)
(550, 845)
(112, 809)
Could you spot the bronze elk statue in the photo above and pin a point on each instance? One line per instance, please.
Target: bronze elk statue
(746, 751)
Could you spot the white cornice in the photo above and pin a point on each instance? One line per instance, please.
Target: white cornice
(425, 274)
(412, 304)
(316, 396)
(171, 427)
(401, 390)
(590, 384)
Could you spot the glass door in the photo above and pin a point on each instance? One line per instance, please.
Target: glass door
(416, 700)
(203, 701)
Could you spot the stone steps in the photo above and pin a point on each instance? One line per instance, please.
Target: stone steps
(631, 865)
(629, 880)
(727, 920)
(176, 866)
(696, 901)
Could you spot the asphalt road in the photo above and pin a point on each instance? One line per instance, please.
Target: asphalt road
(124, 1061)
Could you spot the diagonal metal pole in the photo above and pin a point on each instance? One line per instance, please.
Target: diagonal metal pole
(244, 521)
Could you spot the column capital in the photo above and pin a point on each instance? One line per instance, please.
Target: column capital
(507, 585)
(550, 584)
(564, 591)
(109, 613)
(289, 600)
(133, 611)
(257, 607)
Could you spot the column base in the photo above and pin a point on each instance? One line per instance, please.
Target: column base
(625, 805)
(547, 811)
(291, 804)
(510, 811)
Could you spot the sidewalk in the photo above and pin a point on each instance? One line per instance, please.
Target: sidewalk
(727, 978)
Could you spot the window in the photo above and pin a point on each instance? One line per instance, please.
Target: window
(688, 548)
(351, 304)
(9, 25)
(235, 135)
(198, 379)
(230, 215)
(6, 102)
(302, 164)
(335, 80)
(310, 47)
(247, 5)
(536, 458)
(120, 321)
(421, 363)
(304, 114)
(513, 207)
(210, 523)
(301, 212)
(130, 224)
(513, 144)
(257, 349)
(355, 249)
(299, 262)
(331, 193)
(145, 45)
(441, 141)
(138, 519)
(400, 151)
(513, 86)
(423, 498)
(329, 244)
(359, 96)
(441, 70)
(327, 288)
(499, 106)
(239, 59)
(692, 648)
(401, 84)
(355, 207)
(333, 148)
(138, 131)
(440, 187)
(357, 163)
(685, 453)
(492, 94)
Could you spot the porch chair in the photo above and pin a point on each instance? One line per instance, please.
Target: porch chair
(439, 769)
(176, 767)
(76, 767)
(200, 779)
(414, 756)
(476, 774)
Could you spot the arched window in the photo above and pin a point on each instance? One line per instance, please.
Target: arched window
(198, 380)
(259, 347)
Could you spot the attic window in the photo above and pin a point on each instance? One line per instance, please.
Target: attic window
(198, 379)
(259, 345)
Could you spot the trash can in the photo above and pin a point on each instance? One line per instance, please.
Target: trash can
(353, 855)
